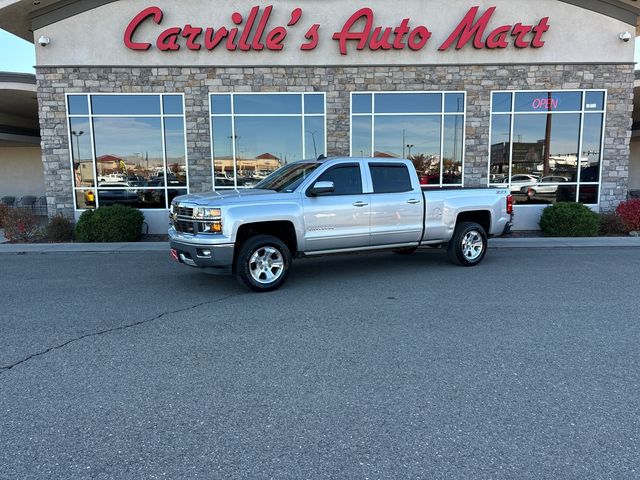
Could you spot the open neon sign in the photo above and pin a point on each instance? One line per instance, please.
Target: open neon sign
(545, 103)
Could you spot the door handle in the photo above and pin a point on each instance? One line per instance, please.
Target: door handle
(360, 204)
(413, 201)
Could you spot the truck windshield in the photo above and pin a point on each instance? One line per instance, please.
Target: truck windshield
(287, 178)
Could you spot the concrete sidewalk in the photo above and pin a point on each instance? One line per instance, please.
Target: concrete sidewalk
(596, 242)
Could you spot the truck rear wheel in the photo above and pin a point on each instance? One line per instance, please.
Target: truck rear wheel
(262, 263)
(468, 245)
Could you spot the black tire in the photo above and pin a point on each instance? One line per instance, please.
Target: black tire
(272, 251)
(405, 251)
(459, 250)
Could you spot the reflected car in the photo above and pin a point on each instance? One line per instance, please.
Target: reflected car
(546, 185)
(519, 183)
(125, 196)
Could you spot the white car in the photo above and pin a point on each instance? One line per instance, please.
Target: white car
(520, 183)
(546, 185)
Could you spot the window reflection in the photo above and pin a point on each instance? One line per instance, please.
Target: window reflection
(408, 103)
(452, 150)
(266, 132)
(125, 104)
(409, 128)
(314, 135)
(500, 149)
(80, 132)
(78, 105)
(175, 151)
(264, 144)
(132, 164)
(362, 103)
(591, 145)
(172, 105)
(548, 102)
(85, 199)
(539, 158)
(361, 136)
(267, 104)
(129, 149)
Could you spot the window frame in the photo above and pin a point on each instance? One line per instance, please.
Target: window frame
(90, 116)
(232, 115)
(442, 114)
(583, 112)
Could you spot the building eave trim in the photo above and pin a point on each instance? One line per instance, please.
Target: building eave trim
(10, 77)
(62, 10)
(610, 8)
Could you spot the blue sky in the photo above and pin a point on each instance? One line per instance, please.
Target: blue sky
(17, 55)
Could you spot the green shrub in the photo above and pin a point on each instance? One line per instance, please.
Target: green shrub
(21, 226)
(110, 224)
(60, 229)
(610, 224)
(569, 220)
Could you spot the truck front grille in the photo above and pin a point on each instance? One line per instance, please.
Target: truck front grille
(184, 211)
(184, 226)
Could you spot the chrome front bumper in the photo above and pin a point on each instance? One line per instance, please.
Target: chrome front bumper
(198, 253)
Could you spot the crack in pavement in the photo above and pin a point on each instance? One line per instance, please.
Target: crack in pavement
(5, 369)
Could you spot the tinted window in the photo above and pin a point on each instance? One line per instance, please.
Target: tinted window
(126, 104)
(346, 179)
(501, 102)
(220, 104)
(172, 104)
(548, 101)
(314, 104)
(362, 103)
(78, 105)
(268, 104)
(390, 178)
(408, 103)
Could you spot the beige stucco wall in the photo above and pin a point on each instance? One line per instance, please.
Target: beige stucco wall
(21, 172)
(96, 37)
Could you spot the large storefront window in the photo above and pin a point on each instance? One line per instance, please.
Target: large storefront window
(425, 127)
(127, 149)
(254, 134)
(547, 146)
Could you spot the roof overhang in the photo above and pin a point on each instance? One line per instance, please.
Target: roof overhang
(19, 124)
(22, 17)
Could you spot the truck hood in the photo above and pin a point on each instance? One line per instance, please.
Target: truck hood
(225, 197)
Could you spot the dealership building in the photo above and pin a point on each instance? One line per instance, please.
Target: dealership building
(139, 102)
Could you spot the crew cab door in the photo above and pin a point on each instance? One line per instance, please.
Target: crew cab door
(340, 219)
(397, 205)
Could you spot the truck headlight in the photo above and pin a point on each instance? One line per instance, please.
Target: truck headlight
(207, 214)
(211, 217)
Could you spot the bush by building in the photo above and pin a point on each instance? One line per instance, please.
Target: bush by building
(21, 226)
(569, 220)
(610, 225)
(629, 212)
(4, 209)
(110, 225)
(60, 229)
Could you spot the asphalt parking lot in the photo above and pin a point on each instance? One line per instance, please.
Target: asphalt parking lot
(372, 367)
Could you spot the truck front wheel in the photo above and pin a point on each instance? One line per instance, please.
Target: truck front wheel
(468, 245)
(262, 263)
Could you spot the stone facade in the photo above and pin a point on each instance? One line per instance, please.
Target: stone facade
(337, 82)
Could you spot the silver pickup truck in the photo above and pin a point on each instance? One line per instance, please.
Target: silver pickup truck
(329, 206)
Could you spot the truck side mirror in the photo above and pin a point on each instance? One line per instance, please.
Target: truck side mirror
(322, 188)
